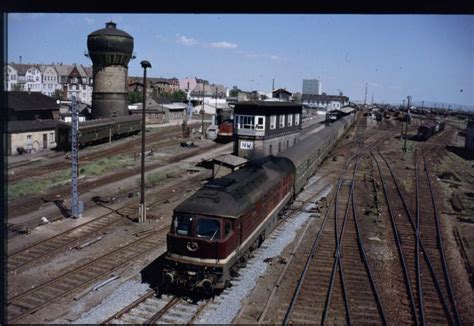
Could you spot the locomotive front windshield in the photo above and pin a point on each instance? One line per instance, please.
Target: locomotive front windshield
(208, 228)
(200, 227)
(182, 225)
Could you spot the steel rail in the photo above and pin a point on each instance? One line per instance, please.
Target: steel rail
(366, 263)
(399, 245)
(313, 250)
(441, 248)
(425, 253)
(417, 249)
(153, 319)
(337, 261)
(97, 273)
(129, 307)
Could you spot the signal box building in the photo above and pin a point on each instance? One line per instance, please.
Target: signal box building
(265, 128)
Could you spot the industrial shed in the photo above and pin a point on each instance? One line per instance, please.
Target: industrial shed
(31, 136)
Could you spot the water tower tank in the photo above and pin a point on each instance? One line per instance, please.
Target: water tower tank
(110, 50)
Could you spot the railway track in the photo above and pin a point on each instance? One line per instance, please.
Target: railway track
(28, 302)
(426, 281)
(83, 232)
(150, 309)
(336, 285)
(131, 146)
(26, 205)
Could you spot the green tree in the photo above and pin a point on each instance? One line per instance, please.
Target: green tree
(135, 97)
(58, 94)
(179, 96)
(234, 92)
(17, 88)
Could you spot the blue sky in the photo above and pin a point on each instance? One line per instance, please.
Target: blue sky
(430, 57)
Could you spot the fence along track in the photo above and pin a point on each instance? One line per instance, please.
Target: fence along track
(32, 300)
(431, 287)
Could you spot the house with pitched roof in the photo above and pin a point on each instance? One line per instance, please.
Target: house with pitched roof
(50, 80)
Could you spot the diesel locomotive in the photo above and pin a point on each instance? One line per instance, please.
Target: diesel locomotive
(222, 222)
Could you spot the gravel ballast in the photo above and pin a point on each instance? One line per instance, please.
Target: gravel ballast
(120, 298)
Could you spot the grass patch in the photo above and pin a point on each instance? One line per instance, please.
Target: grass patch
(407, 185)
(28, 187)
(36, 186)
(154, 178)
(105, 165)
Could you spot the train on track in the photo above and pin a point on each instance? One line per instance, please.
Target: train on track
(98, 131)
(225, 131)
(428, 129)
(214, 230)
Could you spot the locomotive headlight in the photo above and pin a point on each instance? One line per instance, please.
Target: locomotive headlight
(191, 273)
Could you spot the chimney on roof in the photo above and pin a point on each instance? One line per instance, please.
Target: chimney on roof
(20, 59)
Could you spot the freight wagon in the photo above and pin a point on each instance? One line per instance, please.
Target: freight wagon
(428, 129)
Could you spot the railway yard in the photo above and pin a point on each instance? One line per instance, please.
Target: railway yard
(377, 236)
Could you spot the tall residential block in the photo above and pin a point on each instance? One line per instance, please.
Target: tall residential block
(311, 87)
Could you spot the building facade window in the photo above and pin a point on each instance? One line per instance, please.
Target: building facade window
(282, 121)
(273, 121)
(290, 120)
(260, 123)
(297, 119)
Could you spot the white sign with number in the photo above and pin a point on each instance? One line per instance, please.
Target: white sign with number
(246, 145)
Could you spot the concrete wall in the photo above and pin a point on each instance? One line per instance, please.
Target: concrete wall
(34, 145)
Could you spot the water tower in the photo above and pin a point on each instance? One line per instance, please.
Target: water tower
(110, 50)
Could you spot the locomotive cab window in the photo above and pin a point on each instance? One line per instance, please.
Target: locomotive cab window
(227, 228)
(208, 228)
(182, 225)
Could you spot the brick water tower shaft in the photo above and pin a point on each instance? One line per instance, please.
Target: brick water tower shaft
(110, 50)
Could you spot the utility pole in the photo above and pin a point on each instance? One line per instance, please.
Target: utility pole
(77, 206)
(186, 113)
(273, 84)
(365, 98)
(406, 123)
(422, 111)
(142, 209)
(190, 112)
(401, 125)
(202, 113)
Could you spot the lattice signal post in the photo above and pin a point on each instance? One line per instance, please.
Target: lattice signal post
(77, 207)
